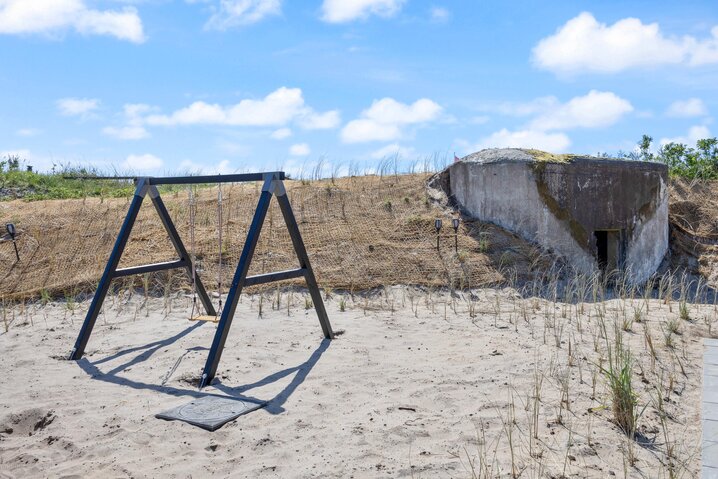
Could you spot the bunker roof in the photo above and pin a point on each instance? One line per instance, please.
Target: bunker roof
(521, 155)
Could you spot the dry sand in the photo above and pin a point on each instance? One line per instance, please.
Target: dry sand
(414, 387)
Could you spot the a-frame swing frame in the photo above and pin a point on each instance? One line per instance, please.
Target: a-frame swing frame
(273, 186)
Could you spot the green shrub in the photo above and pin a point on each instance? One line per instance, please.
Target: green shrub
(683, 161)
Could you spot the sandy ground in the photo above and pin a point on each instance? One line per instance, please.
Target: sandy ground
(418, 385)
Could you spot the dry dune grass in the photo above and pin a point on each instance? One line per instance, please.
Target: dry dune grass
(361, 233)
(694, 232)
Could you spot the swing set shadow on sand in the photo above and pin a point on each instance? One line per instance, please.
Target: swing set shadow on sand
(273, 186)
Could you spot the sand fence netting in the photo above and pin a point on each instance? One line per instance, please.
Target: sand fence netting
(360, 233)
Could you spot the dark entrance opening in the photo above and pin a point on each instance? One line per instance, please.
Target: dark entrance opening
(601, 249)
(609, 251)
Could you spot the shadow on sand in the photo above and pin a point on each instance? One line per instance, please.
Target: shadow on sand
(273, 405)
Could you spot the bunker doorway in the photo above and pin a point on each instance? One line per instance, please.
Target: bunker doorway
(609, 249)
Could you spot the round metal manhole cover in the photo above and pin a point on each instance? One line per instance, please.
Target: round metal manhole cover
(210, 412)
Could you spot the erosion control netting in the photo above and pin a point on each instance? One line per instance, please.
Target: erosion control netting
(360, 233)
(694, 227)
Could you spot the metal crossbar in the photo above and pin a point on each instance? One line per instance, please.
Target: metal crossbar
(272, 277)
(187, 180)
(237, 178)
(149, 268)
(273, 186)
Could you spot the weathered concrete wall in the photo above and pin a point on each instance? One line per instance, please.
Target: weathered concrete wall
(649, 242)
(560, 205)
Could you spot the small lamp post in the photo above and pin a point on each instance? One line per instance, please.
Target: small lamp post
(437, 226)
(12, 232)
(455, 223)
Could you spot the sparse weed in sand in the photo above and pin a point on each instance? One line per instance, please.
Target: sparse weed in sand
(683, 311)
(673, 326)
(70, 303)
(619, 373)
(277, 302)
(44, 296)
(5, 321)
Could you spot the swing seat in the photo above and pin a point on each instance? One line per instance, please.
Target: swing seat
(211, 319)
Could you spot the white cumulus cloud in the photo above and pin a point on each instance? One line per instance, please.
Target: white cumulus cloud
(224, 167)
(77, 106)
(552, 142)
(388, 110)
(439, 14)
(238, 13)
(597, 109)
(528, 108)
(278, 108)
(300, 149)
(695, 133)
(549, 118)
(393, 150)
(585, 45)
(362, 130)
(342, 11)
(126, 132)
(281, 134)
(691, 107)
(321, 121)
(27, 132)
(142, 162)
(133, 130)
(383, 120)
(57, 16)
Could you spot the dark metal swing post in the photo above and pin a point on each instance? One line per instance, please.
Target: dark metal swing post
(109, 272)
(304, 263)
(273, 186)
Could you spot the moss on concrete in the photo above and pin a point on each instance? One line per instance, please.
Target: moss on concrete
(576, 229)
(546, 157)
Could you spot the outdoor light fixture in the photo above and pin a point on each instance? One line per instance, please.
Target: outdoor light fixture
(437, 226)
(455, 223)
(12, 232)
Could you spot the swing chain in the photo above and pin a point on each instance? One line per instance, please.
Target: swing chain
(219, 229)
(192, 213)
(192, 224)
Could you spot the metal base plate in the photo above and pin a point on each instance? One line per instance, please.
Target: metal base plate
(210, 412)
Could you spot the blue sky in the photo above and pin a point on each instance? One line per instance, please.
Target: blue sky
(155, 86)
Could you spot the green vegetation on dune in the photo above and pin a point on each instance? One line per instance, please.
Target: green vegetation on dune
(683, 161)
(18, 180)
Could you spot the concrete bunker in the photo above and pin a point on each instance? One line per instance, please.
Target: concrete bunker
(598, 214)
